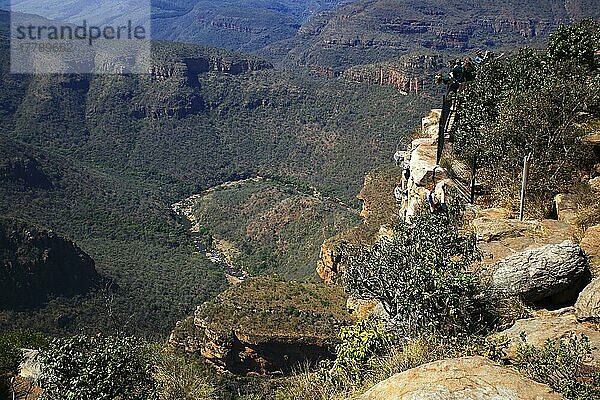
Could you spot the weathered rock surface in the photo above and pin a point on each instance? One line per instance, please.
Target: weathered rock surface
(467, 378)
(588, 302)
(551, 326)
(566, 208)
(591, 245)
(595, 184)
(499, 237)
(550, 274)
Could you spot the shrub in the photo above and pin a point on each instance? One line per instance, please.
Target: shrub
(182, 377)
(98, 368)
(354, 355)
(560, 365)
(535, 104)
(420, 275)
(577, 42)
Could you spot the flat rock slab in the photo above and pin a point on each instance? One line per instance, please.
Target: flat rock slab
(500, 237)
(467, 378)
(539, 329)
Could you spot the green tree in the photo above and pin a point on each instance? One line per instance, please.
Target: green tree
(98, 368)
(420, 275)
(577, 42)
(535, 104)
(359, 343)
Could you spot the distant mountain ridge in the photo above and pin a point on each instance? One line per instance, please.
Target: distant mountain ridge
(246, 25)
(370, 31)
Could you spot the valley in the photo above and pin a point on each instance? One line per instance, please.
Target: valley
(278, 209)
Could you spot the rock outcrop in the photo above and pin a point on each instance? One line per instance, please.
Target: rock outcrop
(266, 326)
(36, 263)
(409, 74)
(467, 378)
(552, 274)
(588, 302)
(421, 173)
(590, 243)
(551, 326)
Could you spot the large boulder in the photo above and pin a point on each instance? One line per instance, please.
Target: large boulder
(467, 378)
(588, 302)
(552, 326)
(591, 245)
(549, 275)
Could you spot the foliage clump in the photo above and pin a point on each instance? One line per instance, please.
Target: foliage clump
(421, 276)
(360, 343)
(560, 364)
(98, 368)
(532, 104)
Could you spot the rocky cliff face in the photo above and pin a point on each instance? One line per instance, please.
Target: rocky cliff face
(36, 264)
(265, 326)
(410, 74)
(172, 86)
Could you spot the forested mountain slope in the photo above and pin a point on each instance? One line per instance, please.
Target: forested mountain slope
(100, 159)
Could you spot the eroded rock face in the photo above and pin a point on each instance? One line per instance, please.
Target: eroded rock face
(265, 325)
(329, 263)
(591, 245)
(550, 274)
(588, 302)
(467, 378)
(552, 326)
